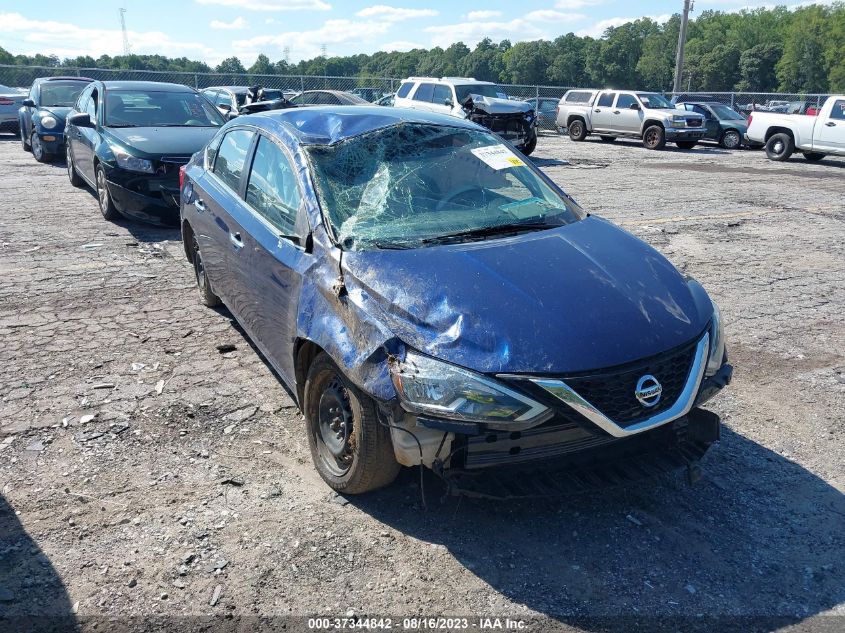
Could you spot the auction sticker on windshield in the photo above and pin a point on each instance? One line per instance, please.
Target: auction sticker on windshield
(498, 157)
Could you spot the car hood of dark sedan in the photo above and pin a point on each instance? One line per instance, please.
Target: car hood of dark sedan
(60, 112)
(150, 142)
(584, 296)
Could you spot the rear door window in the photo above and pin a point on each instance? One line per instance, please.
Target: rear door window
(272, 190)
(231, 156)
(606, 100)
(424, 92)
(405, 89)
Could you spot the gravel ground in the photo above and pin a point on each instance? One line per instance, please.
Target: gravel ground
(147, 471)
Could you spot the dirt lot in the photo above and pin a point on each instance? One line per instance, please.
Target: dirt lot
(141, 468)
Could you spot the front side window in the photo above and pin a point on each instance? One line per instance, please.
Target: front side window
(272, 190)
(405, 89)
(60, 93)
(625, 101)
(442, 94)
(606, 100)
(483, 90)
(654, 101)
(90, 105)
(424, 92)
(149, 108)
(231, 157)
(413, 184)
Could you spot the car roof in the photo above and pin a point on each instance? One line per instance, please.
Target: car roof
(325, 125)
(39, 80)
(153, 86)
(235, 89)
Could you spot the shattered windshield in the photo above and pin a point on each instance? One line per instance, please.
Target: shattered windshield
(413, 184)
(484, 90)
(653, 100)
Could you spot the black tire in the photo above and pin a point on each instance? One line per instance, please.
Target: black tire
(686, 144)
(813, 157)
(654, 137)
(207, 295)
(356, 459)
(577, 130)
(75, 179)
(731, 139)
(530, 146)
(38, 151)
(24, 141)
(104, 200)
(780, 147)
(607, 139)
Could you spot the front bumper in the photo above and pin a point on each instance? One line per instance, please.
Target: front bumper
(52, 142)
(144, 197)
(684, 134)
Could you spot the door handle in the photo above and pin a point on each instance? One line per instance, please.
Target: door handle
(235, 239)
(616, 112)
(830, 124)
(199, 205)
(597, 110)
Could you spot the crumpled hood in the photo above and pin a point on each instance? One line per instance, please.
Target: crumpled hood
(492, 105)
(579, 297)
(152, 142)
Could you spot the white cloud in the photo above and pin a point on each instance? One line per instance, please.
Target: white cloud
(482, 15)
(577, 4)
(598, 29)
(400, 46)
(548, 15)
(235, 25)
(472, 32)
(395, 14)
(272, 5)
(68, 40)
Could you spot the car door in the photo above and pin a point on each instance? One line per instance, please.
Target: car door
(829, 134)
(602, 116)
(711, 123)
(88, 137)
(220, 194)
(276, 228)
(626, 118)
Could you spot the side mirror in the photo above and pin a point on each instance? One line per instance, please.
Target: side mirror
(29, 103)
(634, 106)
(80, 119)
(448, 102)
(225, 106)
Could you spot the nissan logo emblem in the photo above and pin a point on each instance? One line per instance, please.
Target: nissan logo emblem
(648, 391)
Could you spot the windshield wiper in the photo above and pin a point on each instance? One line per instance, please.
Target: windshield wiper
(486, 231)
(122, 125)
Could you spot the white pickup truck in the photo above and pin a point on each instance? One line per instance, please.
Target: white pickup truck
(814, 136)
(644, 115)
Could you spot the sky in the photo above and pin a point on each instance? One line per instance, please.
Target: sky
(212, 30)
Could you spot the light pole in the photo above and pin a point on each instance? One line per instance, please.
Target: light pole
(682, 39)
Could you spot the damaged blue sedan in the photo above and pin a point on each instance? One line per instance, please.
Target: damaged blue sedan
(431, 298)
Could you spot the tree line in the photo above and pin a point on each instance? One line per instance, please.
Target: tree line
(760, 50)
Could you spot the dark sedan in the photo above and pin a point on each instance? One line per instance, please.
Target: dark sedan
(127, 139)
(546, 109)
(723, 124)
(327, 97)
(43, 113)
(432, 299)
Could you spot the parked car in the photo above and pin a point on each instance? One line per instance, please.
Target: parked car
(816, 137)
(368, 252)
(386, 100)
(10, 102)
(722, 124)
(41, 117)
(327, 97)
(482, 102)
(232, 101)
(370, 95)
(644, 115)
(546, 109)
(127, 140)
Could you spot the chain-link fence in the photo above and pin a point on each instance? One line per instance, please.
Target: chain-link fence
(373, 88)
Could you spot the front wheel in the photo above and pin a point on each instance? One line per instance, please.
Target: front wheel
(529, 147)
(41, 155)
(813, 156)
(351, 450)
(577, 130)
(731, 140)
(107, 207)
(654, 137)
(780, 147)
(686, 144)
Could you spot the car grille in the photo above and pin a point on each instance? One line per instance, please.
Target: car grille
(693, 122)
(169, 165)
(612, 391)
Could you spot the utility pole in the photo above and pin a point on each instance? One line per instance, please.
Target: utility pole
(126, 50)
(682, 40)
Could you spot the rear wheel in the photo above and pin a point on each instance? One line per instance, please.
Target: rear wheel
(207, 295)
(654, 137)
(107, 207)
(607, 139)
(813, 156)
(730, 140)
(351, 450)
(577, 130)
(780, 147)
(41, 155)
(74, 178)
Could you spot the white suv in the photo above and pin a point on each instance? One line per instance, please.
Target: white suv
(480, 101)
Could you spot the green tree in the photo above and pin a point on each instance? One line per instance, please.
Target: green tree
(231, 65)
(757, 68)
(262, 66)
(803, 67)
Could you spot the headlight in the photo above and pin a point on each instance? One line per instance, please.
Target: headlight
(125, 160)
(679, 121)
(48, 121)
(432, 387)
(717, 343)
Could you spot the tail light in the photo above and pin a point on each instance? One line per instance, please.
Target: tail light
(750, 116)
(6, 101)
(181, 176)
(557, 111)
